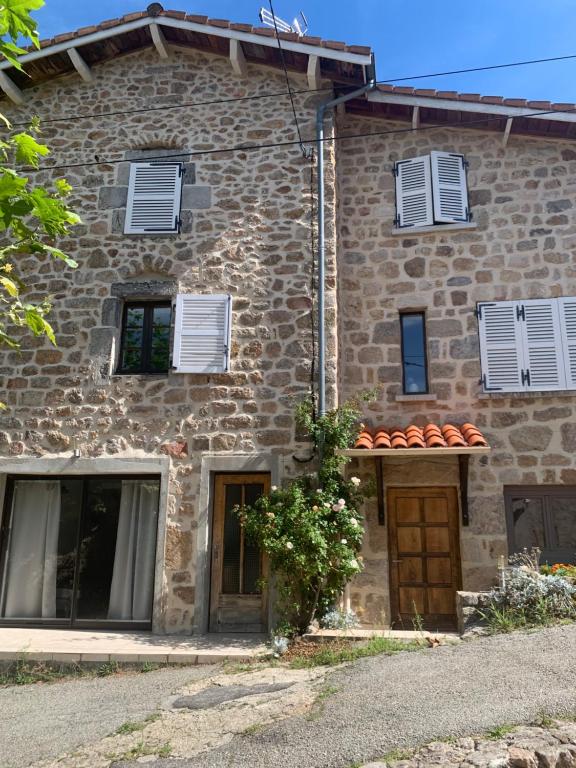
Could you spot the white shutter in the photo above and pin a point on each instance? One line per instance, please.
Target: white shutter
(543, 358)
(501, 347)
(567, 313)
(154, 193)
(449, 188)
(202, 333)
(413, 192)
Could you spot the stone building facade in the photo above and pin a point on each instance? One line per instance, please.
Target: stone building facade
(248, 231)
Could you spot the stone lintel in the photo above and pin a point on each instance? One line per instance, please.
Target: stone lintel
(144, 289)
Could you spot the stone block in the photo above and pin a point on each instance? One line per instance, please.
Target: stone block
(111, 312)
(532, 438)
(101, 342)
(196, 198)
(112, 197)
(144, 289)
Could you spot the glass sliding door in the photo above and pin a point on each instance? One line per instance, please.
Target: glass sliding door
(79, 550)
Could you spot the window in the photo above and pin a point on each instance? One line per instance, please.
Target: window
(414, 363)
(431, 189)
(79, 550)
(154, 194)
(145, 343)
(545, 518)
(528, 345)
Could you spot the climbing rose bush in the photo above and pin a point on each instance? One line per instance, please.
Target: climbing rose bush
(311, 528)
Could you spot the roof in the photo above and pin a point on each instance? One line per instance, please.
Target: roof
(447, 438)
(81, 49)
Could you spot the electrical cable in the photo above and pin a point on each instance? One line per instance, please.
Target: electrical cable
(278, 144)
(302, 147)
(192, 104)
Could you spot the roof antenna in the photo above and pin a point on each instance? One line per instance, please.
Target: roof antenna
(299, 23)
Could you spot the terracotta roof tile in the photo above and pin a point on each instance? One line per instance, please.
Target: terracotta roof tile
(430, 436)
(196, 18)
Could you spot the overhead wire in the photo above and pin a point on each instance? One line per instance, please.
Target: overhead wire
(278, 144)
(277, 94)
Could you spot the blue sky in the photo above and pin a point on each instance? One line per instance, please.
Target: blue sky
(409, 38)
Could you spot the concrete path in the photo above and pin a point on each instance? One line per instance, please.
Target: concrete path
(65, 645)
(385, 703)
(44, 721)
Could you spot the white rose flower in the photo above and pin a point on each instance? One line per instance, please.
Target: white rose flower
(354, 564)
(353, 522)
(336, 507)
(341, 502)
(343, 541)
(327, 504)
(315, 508)
(274, 488)
(289, 545)
(355, 481)
(318, 490)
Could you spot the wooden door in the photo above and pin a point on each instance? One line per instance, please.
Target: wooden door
(425, 568)
(238, 601)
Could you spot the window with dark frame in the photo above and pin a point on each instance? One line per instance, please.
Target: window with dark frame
(145, 341)
(414, 358)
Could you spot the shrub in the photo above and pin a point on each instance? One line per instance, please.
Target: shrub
(311, 528)
(336, 619)
(563, 570)
(529, 599)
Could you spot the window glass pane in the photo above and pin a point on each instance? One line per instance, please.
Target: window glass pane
(134, 317)
(414, 353)
(563, 523)
(252, 554)
(160, 341)
(131, 359)
(232, 541)
(528, 522)
(162, 316)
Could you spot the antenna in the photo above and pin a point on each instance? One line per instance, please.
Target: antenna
(299, 24)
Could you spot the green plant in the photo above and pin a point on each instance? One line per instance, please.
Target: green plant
(497, 733)
(133, 727)
(107, 668)
(31, 217)
(311, 528)
(330, 654)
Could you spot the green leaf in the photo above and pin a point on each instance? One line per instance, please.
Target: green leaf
(58, 254)
(17, 19)
(9, 285)
(28, 150)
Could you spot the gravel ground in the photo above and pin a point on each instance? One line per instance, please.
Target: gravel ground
(384, 703)
(46, 720)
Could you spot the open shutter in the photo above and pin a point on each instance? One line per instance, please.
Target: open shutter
(567, 312)
(413, 192)
(543, 357)
(449, 187)
(154, 193)
(501, 353)
(202, 333)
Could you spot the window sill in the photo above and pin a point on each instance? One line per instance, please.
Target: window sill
(146, 376)
(434, 229)
(429, 398)
(526, 395)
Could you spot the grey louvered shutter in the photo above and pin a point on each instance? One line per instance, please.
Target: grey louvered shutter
(567, 313)
(154, 193)
(413, 192)
(449, 187)
(543, 353)
(202, 327)
(501, 347)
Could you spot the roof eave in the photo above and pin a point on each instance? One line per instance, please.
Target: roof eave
(412, 452)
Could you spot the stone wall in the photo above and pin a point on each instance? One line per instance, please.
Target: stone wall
(523, 246)
(246, 231)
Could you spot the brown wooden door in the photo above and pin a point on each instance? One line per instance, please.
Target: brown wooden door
(425, 569)
(237, 599)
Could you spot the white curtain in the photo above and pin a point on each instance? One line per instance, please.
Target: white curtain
(30, 590)
(133, 575)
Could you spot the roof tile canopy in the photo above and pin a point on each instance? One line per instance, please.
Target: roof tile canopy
(430, 436)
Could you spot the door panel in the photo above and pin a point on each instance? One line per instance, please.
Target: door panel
(237, 601)
(424, 556)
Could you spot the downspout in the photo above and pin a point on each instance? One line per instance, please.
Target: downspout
(320, 116)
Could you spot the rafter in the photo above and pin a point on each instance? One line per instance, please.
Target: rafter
(80, 65)
(415, 117)
(11, 89)
(159, 41)
(313, 72)
(507, 130)
(237, 57)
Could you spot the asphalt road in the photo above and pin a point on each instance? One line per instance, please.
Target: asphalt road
(47, 720)
(384, 703)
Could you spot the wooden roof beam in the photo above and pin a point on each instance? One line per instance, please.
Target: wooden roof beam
(80, 65)
(415, 118)
(237, 58)
(313, 73)
(11, 89)
(507, 130)
(159, 41)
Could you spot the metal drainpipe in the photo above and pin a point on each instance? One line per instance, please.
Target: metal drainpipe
(320, 115)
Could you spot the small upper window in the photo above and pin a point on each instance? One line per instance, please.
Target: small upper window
(154, 194)
(431, 189)
(145, 343)
(414, 362)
